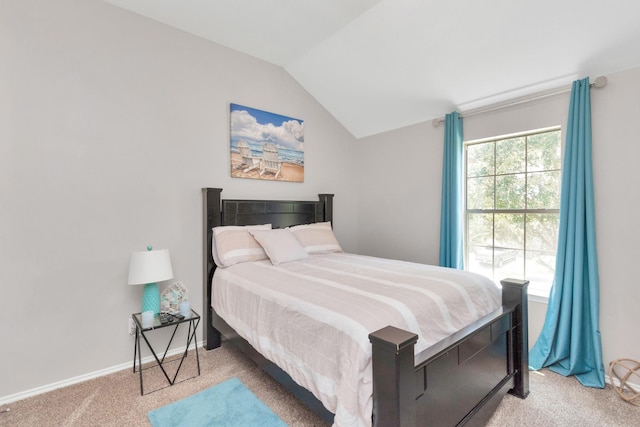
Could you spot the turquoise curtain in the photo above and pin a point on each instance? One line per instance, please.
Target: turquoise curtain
(451, 214)
(570, 342)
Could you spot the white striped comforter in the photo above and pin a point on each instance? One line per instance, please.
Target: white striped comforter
(313, 317)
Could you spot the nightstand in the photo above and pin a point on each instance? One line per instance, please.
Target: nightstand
(193, 320)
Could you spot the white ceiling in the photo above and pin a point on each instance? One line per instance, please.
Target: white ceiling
(378, 65)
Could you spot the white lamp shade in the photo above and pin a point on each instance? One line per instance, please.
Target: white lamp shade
(150, 267)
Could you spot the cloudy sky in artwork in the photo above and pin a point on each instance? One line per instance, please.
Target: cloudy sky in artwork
(257, 126)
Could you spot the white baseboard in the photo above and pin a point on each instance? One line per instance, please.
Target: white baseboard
(629, 385)
(128, 365)
(96, 374)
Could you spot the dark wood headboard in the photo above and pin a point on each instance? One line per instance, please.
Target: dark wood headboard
(279, 213)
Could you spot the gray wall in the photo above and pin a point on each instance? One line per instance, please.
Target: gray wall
(406, 166)
(110, 124)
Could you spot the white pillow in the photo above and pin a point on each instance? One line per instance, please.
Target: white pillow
(316, 238)
(232, 244)
(280, 245)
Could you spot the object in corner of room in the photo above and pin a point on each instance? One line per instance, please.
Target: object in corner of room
(622, 370)
(147, 268)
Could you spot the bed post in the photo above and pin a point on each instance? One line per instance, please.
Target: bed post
(327, 202)
(394, 391)
(514, 291)
(212, 216)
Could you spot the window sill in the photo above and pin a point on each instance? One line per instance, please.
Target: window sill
(538, 297)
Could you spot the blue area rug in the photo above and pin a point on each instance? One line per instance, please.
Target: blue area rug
(229, 403)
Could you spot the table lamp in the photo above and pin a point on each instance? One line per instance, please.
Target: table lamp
(147, 268)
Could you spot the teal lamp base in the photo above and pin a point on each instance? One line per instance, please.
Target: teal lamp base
(151, 298)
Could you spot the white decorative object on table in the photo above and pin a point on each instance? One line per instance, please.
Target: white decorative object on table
(185, 308)
(147, 319)
(171, 297)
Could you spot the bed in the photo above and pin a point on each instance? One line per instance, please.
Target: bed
(457, 380)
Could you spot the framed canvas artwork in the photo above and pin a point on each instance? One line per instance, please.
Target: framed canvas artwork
(266, 145)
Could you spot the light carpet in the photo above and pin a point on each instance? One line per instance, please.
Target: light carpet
(230, 403)
(115, 400)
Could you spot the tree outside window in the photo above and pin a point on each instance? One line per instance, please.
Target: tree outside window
(513, 207)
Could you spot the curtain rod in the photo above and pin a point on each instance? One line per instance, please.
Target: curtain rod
(599, 82)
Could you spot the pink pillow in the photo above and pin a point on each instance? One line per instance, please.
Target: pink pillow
(234, 244)
(280, 245)
(316, 238)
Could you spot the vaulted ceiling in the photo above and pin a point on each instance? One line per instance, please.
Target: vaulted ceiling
(378, 65)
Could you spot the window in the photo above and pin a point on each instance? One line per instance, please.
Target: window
(513, 207)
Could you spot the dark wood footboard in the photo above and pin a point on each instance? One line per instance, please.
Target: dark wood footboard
(461, 379)
(458, 381)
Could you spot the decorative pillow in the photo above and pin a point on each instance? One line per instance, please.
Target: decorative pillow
(316, 238)
(233, 244)
(280, 245)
